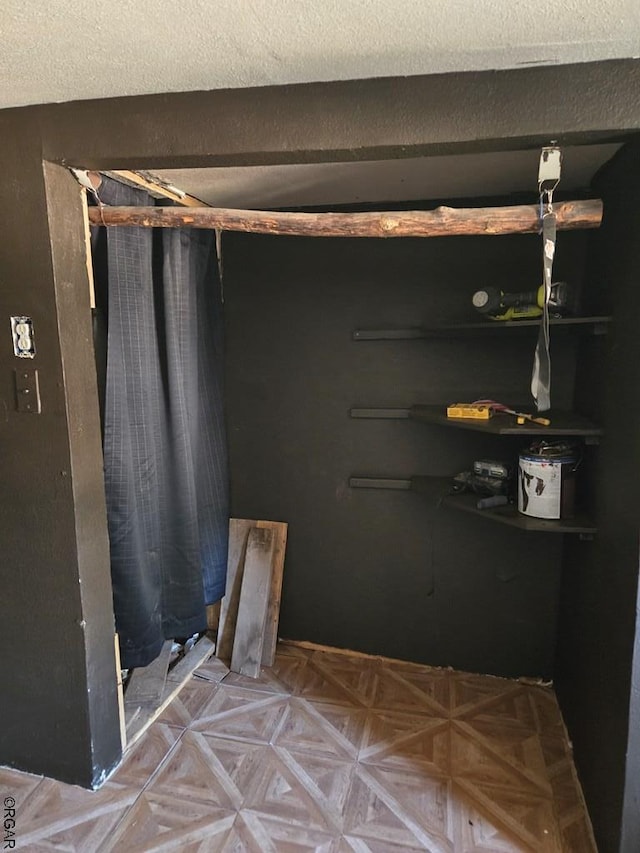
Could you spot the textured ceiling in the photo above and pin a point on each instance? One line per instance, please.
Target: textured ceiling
(62, 50)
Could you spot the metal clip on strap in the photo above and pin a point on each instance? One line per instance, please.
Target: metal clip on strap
(549, 171)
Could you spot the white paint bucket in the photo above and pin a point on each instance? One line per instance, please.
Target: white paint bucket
(546, 482)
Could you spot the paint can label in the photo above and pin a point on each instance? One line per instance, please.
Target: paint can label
(540, 487)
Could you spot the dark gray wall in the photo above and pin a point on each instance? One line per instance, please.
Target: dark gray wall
(597, 680)
(59, 703)
(381, 571)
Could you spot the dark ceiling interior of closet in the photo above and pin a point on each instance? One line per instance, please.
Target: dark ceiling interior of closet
(372, 183)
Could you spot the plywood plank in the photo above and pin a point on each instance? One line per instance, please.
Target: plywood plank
(254, 602)
(213, 616)
(156, 188)
(188, 664)
(273, 613)
(120, 688)
(87, 240)
(140, 717)
(213, 670)
(238, 532)
(147, 682)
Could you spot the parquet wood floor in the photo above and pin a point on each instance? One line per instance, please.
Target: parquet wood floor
(328, 752)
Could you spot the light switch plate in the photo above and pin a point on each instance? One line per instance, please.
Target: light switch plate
(27, 391)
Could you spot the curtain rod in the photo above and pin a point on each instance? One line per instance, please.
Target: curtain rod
(441, 222)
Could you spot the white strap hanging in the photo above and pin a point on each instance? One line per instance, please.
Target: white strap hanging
(548, 180)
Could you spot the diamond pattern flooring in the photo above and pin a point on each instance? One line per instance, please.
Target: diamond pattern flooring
(328, 752)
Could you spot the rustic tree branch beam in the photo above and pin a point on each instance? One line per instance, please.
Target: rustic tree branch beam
(441, 222)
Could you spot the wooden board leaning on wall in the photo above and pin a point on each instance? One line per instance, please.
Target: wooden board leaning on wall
(267, 556)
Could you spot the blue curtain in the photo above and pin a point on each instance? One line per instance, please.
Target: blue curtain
(165, 457)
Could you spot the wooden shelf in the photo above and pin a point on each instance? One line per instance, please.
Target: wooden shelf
(562, 423)
(509, 515)
(596, 325)
(440, 488)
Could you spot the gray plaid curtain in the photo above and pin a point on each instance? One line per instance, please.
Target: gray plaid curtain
(165, 458)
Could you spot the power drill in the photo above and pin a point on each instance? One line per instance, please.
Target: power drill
(498, 305)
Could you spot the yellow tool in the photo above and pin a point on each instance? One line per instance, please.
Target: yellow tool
(500, 409)
(468, 410)
(521, 417)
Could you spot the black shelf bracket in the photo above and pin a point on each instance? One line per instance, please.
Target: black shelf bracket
(379, 483)
(388, 413)
(441, 489)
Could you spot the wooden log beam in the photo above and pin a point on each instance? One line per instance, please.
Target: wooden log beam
(441, 222)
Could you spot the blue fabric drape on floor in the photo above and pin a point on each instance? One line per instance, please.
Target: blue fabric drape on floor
(165, 455)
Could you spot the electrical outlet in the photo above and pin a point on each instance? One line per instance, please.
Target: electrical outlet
(23, 342)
